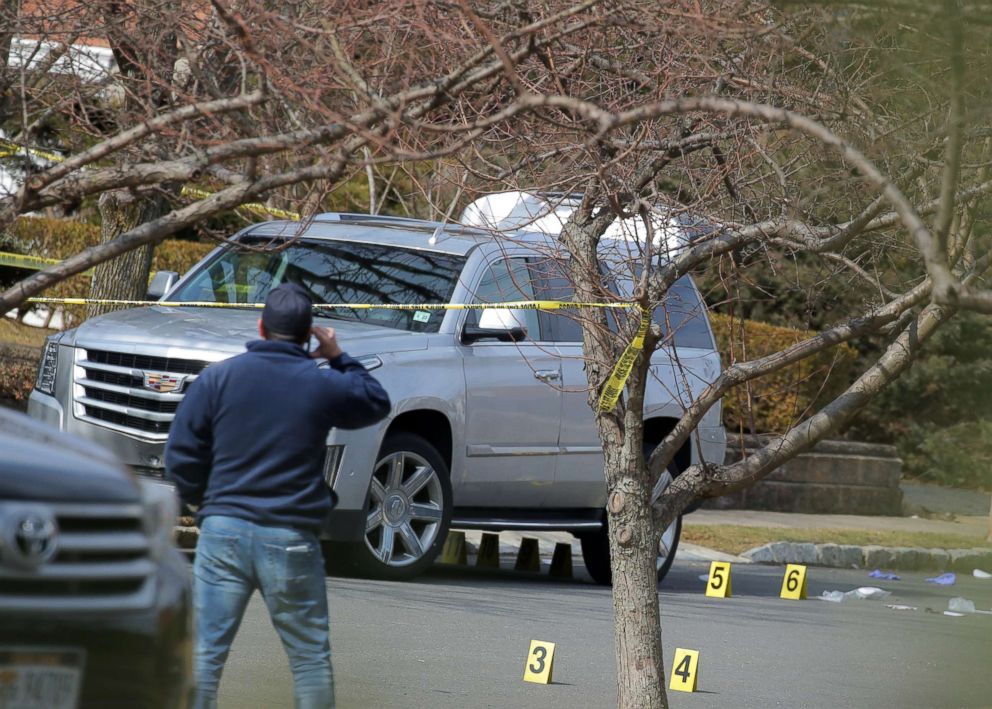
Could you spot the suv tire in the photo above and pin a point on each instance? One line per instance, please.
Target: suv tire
(596, 548)
(408, 509)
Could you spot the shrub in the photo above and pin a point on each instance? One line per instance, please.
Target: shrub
(59, 238)
(959, 455)
(48, 237)
(17, 373)
(776, 401)
(179, 256)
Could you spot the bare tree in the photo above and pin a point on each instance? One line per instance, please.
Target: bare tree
(788, 135)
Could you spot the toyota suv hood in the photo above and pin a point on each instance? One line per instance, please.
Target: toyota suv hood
(223, 331)
(42, 464)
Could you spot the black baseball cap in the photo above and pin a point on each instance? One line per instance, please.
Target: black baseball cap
(288, 311)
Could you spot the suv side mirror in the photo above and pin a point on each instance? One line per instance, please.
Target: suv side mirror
(503, 325)
(161, 284)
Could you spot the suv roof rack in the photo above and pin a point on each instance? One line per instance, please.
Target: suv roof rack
(352, 217)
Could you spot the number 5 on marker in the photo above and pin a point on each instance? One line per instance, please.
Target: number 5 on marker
(718, 584)
(794, 583)
(540, 661)
(684, 670)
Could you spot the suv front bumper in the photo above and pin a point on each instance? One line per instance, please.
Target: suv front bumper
(139, 659)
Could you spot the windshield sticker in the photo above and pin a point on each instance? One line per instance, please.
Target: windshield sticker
(421, 316)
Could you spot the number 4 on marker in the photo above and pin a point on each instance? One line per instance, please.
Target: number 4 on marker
(684, 670)
(718, 584)
(540, 662)
(794, 582)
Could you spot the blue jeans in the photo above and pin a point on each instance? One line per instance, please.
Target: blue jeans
(233, 558)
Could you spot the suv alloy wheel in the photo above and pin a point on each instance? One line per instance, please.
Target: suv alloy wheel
(408, 509)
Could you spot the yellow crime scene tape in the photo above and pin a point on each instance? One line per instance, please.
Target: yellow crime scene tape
(621, 370)
(253, 207)
(8, 149)
(607, 400)
(31, 263)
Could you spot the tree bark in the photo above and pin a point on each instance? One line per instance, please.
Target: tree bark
(636, 611)
(989, 537)
(634, 534)
(126, 276)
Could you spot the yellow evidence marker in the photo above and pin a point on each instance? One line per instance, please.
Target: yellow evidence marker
(684, 670)
(453, 551)
(718, 584)
(794, 582)
(540, 662)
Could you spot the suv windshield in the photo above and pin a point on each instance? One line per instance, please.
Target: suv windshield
(347, 273)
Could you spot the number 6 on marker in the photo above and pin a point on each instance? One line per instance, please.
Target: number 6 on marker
(794, 582)
(540, 662)
(684, 670)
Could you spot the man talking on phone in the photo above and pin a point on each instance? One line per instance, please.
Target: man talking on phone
(247, 447)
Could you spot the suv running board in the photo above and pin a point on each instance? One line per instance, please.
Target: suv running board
(534, 520)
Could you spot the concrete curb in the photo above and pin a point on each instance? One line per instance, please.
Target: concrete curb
(846, 556)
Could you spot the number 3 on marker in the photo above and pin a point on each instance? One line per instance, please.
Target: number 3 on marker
(794, 582)
(718, 584)
(684, 670)
(540, 662)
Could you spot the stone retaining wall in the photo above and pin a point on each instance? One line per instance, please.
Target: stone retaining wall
(836, 477)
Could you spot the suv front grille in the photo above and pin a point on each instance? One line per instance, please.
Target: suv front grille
(137, 361)
(113, 397)
(102, 561)
(134, 423)
(114, 389)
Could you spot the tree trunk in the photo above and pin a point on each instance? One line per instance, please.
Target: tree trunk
(989, 537)
(636, 612)
(124, 277)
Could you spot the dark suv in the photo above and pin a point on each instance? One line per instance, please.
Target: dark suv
(95, 605)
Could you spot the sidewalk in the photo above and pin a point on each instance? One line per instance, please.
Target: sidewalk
(962, 513)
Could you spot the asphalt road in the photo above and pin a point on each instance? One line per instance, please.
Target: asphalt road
(459, 637)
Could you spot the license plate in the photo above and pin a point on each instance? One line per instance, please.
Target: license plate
(40, 678)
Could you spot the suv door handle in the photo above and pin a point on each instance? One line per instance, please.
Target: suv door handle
(548, 375)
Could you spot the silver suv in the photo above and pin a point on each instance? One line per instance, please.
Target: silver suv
(490, 427)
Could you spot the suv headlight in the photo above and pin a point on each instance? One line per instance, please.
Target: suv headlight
(161, 512)
(370, 362)
(46, 369)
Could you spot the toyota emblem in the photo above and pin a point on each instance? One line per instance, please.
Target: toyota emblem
(30, 537)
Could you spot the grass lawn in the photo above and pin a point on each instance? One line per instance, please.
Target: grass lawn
(14, 332)
(732, 539)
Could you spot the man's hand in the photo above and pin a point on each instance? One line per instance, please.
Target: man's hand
(328, 346)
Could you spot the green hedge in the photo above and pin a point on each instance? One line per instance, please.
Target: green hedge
(60, 238)
(958, 456)
(179, 256)
(17, 371)
(777, 401)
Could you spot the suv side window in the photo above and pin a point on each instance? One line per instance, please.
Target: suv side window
(508, 280)
(684, 313)
(552, 283)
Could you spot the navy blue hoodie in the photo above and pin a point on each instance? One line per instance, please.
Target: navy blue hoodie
(248, 440)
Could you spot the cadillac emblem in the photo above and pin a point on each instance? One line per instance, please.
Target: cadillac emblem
(163, 383)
